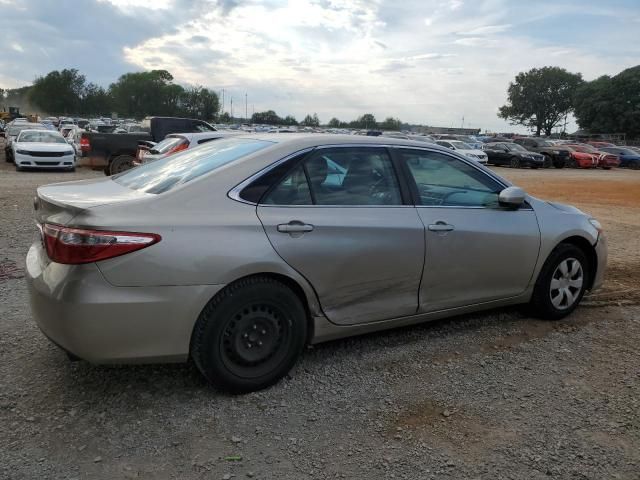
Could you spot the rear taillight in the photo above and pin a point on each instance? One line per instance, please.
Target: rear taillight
(79, 245)
(181, 146)
(85, 146)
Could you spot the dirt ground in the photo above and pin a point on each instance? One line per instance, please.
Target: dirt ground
(496, 395)
(613, 197)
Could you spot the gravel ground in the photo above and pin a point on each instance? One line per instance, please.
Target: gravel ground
(490, 396)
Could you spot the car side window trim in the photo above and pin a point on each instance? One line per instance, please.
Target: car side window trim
(409, 197)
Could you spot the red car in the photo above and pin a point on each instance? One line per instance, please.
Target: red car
(579, 159)
(603, 160)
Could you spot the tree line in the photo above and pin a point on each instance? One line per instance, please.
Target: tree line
(137, 95)
(542, 98)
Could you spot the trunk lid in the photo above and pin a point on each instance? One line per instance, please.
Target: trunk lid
(60, 202)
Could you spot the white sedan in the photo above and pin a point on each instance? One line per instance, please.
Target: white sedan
(42, 149)
(465, 149)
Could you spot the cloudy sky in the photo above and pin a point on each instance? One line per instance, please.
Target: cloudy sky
(424, 61)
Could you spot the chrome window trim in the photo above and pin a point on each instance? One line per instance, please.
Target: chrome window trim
(234, 193)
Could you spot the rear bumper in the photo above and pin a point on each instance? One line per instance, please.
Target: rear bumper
(77, 309)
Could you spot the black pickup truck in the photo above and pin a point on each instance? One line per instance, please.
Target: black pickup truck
(115, 152)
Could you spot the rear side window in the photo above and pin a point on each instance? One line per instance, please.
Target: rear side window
(167, 173)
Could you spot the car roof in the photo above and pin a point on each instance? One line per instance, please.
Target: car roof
(306, 140)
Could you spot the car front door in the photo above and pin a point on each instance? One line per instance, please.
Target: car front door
(476, 251)
(340, 219)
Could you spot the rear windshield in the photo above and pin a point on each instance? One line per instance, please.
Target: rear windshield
(167, 173)
(167, 144)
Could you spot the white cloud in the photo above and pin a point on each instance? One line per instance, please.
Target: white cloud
(486, 30)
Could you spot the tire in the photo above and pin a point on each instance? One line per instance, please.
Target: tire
(606, 168)
(547, 161)
(120, 164)
(553, 304)
(559, 164)
(514, 162)
(571, 163)
(248, 316)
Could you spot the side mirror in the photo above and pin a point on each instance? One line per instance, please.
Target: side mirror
(512, 197)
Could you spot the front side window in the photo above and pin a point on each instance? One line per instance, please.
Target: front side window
(340, 176)
(441, 180)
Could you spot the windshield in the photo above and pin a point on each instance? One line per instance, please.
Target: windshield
(41, 136)
(460, 145)
(169, 172)
(584, 148)
(514, 147)
(623, 151)
(545, 143)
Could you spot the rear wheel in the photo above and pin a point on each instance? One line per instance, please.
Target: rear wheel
(249, 335)
(120, 164)
(547, 161)
(514, 162)
(561, 283)
(559, 163)
(571, 163)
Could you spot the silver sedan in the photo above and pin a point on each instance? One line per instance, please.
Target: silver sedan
(241, 251)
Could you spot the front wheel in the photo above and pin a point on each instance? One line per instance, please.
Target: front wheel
(249, 335)
(561, 283)
(515, 162)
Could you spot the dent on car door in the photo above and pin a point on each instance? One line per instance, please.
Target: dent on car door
(338, 218)
(476, 251)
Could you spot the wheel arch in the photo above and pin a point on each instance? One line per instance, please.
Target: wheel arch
(589, 250)
(309, 304)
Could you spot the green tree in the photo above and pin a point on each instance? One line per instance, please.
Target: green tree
(269, 117)
(58, 92)
(311, 121)
(289, 120)
(334, 123)
(540, 98)
(391, 123)
(610, 104)
(145, 93)
(199, 102)
(224, 117)
(368, 120)
(95, 100)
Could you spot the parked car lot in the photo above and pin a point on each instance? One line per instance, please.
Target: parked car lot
(488, 395)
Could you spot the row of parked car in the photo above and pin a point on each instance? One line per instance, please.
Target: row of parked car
(123, 144)
(536, 152)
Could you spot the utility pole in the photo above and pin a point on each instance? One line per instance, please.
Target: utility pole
(246, 109)
(223, 100)
(231, 109)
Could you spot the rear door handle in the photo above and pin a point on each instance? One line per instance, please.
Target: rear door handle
(295, 226)
(440, 227)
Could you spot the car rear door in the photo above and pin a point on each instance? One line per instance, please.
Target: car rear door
(476, 251)
(341, 219)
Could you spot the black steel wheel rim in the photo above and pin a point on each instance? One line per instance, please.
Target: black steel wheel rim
(255, 340)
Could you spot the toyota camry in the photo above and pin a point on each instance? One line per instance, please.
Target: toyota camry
(239, 252)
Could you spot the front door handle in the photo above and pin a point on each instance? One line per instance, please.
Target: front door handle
(440, 227)
(295, 226)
